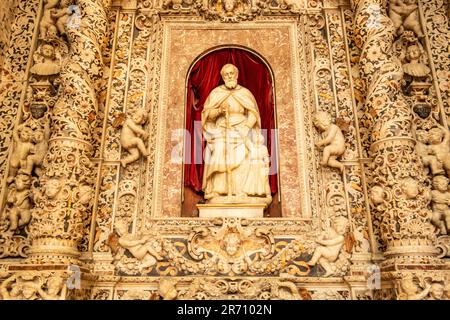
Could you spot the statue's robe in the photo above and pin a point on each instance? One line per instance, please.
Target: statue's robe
(226, 151)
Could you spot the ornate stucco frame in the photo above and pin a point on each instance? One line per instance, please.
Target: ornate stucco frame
(298, 107)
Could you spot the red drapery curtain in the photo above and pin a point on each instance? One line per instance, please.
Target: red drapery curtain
(205, 76)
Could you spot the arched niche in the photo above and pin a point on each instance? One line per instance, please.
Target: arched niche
(204, 75)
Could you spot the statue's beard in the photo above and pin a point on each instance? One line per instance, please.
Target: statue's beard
(231, 84)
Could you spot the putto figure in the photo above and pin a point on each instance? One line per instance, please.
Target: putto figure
(23, 147)
(334, 141)
(132, 136)
(440, 204)
(330, 245)
(405, 16)
(229, 113)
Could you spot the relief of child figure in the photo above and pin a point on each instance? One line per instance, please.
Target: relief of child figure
(330, 245)
(257, 182)
(439, 139)
(334, 142)
(23, 147)
(440, 204)
(424, 151)
(132, 137)
(35, 160)
(20, 203)
(62, 15)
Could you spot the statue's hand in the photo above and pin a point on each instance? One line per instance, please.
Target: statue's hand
(223, 108)
(145, 136)
(244, 131)
(319, 144)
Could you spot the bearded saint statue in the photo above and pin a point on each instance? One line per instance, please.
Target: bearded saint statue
(236, 159)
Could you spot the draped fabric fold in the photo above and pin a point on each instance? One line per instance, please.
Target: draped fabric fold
(204, 77)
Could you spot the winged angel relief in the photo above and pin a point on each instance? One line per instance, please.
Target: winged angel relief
(230, 247)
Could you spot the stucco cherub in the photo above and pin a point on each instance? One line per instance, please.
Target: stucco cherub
(47, 28)
(404, 15)
(410, 188)
(146, 249)
(439, 145)
(424, 152)
(334, 141)
(35, 160)
(56, 289)
(16, 288)
(437, 291)
(377, 195)
(330, 245)
(19, 201)
(132, 136)
(440, 196)
(22, 148)
(52, 188)
(62, 15)
(409, 290)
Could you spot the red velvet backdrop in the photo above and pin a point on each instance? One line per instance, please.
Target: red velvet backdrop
(205, 76)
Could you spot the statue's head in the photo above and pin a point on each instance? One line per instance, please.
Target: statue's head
(39, 136)
(413, 52)
(230, 74)
(28, 289)
(54, 285)
(47, 51)
(377, 195)
(26, 134)
(231, 243)
(52, 188)
(322, 120)
(410, 187)
(23, 182)
(422, 136)
(435, 135)
(85, 195)
(437, 290)
(440, 183)
(340, 225)
(408, 285)
(140, 116)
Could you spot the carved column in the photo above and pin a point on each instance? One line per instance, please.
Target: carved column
(63, 204)
(402, 209)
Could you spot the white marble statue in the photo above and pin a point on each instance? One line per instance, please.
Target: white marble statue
(257, 182)
(230, 174)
